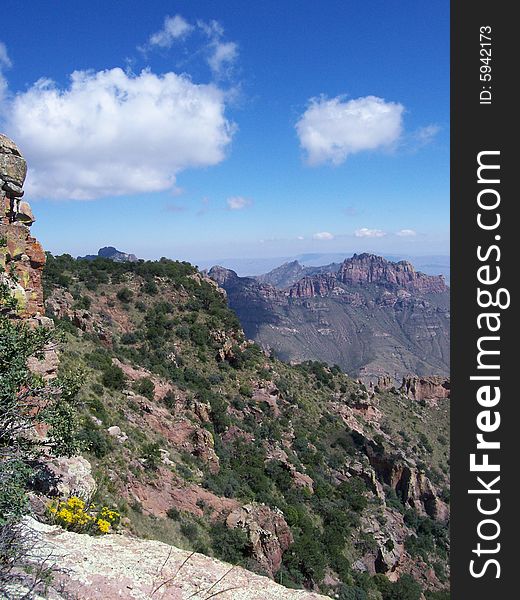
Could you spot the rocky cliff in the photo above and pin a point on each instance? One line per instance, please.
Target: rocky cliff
(112, 254)
(21, 256)
(369, 315)
(368, 268)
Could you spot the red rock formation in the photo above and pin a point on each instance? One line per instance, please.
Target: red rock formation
(316, 285)
(368, 268)
(268, 533)
(22, 260)
(410, 484)
(426, 389)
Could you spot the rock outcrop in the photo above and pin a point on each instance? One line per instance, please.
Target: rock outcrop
(116, 566)
(21, 256)
(64, 477)
(426, 389)
(410, 484)
(13, 170)
(268, 532)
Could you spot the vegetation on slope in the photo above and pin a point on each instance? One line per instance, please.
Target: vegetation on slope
(27, 401)
(166, 320)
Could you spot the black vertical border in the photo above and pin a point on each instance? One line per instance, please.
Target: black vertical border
(474, 128)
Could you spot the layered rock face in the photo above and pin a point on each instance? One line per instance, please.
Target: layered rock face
(368, 268)
(309, 287)
(426, 389)
(363, 269)
(21, 256)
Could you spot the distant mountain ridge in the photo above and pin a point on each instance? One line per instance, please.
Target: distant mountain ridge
(434, 264)
(112, 254)
(360, 268)
(369, 315)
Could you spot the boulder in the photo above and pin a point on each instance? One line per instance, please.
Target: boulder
(13, 167)
(64, 477)
(24, 213)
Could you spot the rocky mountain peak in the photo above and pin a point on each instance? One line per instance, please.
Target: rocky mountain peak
(221, 275)
(368, 268)
(111, 253)
(284, 275)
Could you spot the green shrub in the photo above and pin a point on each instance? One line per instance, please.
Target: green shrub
(246, 390)
(405, 588)
(145, 387)
(150, 287)
(20, 450)
(124, 295)
(230, 545)
(151, 454)
(113, 377)
(173, 513)
(95, 440)
(129, 338)
(440, 595)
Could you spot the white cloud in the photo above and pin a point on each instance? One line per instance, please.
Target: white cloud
(111, 133)
(406, 233)
(332, 129)
(174, 28)
(222, 56)
(238, 202)
(425, 135)
(370, 233)
(219, 54)
(323, 235)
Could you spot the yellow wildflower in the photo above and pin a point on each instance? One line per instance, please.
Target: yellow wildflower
(76, 503)
(66, 515)
(103, 525)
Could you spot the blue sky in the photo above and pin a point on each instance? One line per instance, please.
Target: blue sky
(267, 129)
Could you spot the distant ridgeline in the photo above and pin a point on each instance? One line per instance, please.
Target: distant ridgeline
(370, 316)
(112, 254)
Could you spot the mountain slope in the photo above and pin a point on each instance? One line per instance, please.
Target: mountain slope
(202, 441)
(369, 315)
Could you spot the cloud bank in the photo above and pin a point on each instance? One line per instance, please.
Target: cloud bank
(332, 129)
(112, 133)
